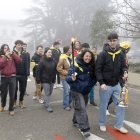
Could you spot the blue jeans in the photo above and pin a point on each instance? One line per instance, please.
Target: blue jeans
(66, 94)
(91, 95)
(113, 91)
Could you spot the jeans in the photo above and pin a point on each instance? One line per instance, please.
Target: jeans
(91, 95)
(48, 89)
(8, 84)
(66, 94)
(22, 80)
(113, 91)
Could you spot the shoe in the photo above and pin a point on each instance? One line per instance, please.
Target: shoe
(21, 105)
(76, 125)
(1, 109)
(86, 134)
(93, 103)
(55, 86)
(15, 105)
(49, 109)
(67, 108)
(41, 101)
(12, 113)
(59, 86)
(107, 113)
(103, 128)
(34, 98)
(122, 130)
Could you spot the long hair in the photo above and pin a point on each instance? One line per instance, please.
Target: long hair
(92, 62)
(2, 49)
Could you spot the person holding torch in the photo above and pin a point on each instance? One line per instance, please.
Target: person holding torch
(81, 78)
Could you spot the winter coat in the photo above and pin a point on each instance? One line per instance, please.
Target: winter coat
(110, 66)
(56, 54)
(85, 78)
(63, 65)
(46, 71)
(8, 65)
(34, 63)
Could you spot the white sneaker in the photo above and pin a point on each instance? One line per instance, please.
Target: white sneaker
(59, 86)
(122, 130)
(107, 113)
(34, 98)
(103, 128)
(41, 101)
(55, 86)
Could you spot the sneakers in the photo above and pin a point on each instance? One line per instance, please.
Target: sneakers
(59, 86)
(34, 98)
(41, 101)
(67, 108)
(76, 125)
(107, 113)
(12, 113)
(93, 103)
(122, 130)
(49, 109)
(103, 128)
(86, 134)
(21, 105)
(1, 109)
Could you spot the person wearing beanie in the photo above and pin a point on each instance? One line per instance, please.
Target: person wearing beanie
(110, 67)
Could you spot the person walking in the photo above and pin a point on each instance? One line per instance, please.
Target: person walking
(46, 76)
(81, 78)
(8, 62)
(22, 72)
(62, 67)
(110, 67)
(34, 64)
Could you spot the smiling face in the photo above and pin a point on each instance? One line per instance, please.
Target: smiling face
(87, 57)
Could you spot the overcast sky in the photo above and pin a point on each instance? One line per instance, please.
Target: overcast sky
(13, 9)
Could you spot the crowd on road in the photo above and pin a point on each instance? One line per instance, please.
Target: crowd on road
(77, 70)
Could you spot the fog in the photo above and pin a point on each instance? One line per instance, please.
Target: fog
(45, 21)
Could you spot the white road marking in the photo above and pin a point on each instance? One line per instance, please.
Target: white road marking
(134, 126)
(93, 137)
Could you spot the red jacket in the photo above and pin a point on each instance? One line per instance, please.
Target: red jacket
(8, 66)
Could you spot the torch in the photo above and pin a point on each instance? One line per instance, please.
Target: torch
(72, 48)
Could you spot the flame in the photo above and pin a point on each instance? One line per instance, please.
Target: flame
(73, 40)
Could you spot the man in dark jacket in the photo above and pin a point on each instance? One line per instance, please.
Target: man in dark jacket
(22, 71)
(56, 54)
(110, 67)
(34, 64)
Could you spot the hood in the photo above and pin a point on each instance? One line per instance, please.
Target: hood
(106, 47)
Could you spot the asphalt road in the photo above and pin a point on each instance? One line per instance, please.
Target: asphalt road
(35, 123)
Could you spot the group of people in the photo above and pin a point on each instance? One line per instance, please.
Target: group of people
(78, 72)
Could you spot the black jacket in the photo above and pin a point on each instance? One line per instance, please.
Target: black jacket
(56, 54)
(36, 59)
(110, 69)
(23, 68)
(46, 71)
